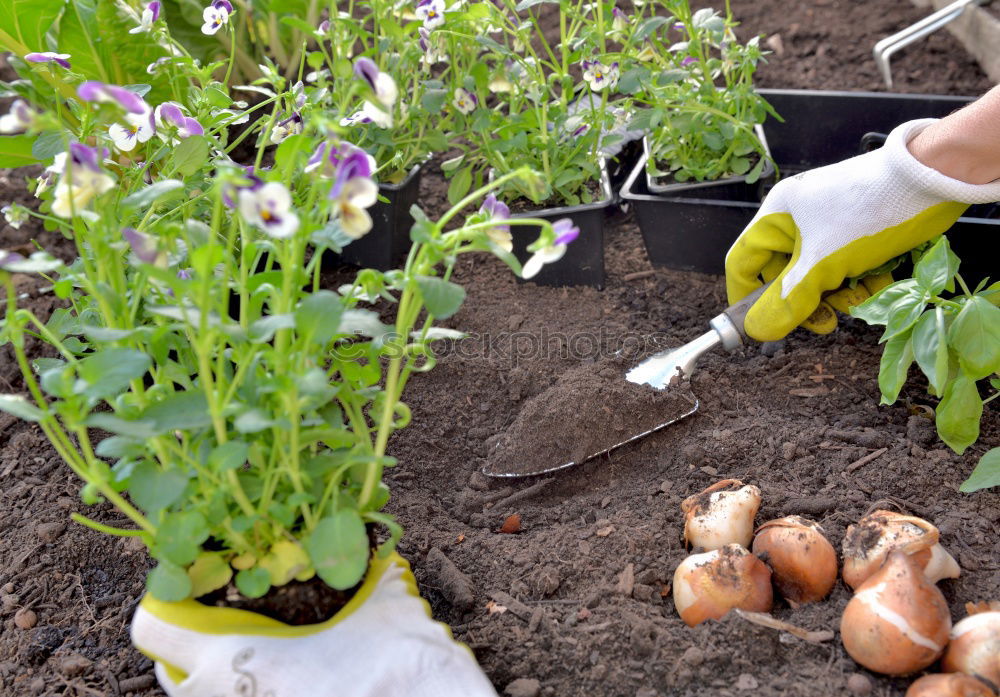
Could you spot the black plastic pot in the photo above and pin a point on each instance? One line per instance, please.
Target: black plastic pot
(387, 243)
(729, 189)
(689, 234)
(823, 127)
(583, 262)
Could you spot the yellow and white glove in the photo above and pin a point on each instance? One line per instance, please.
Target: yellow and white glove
(383, 643)
(818, 228)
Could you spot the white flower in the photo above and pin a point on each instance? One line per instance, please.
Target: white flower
(15, 215)
(139, 129)
(18, 119)
(431, 12)
(150, 14)
(465, 101)
(369, 113)
(215, 17)
(269, 208)
(286, 127)
(565, 232)
(82, 179)
(599, 76)
(357, 194)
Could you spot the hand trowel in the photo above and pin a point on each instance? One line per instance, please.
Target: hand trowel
(666, 370)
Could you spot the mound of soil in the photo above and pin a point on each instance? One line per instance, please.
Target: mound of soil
(589, 409)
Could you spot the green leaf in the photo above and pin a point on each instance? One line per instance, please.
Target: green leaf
(253, 583)
(263, 329)
(168, 582)
(182, 411)
(930, 348)
(904, 313)
(875, 310)
(959, 413)
(895, 364)
(20, 407)
(253, 421)
(188, 157)
(647, 28)
(16, 151)
(208, 573)
(338, 547)
(47, 145)
(936, 267)
(319, 315)
(23, 23)
(108, 372)
(154, 192)
(527, 4)
(179, 537)
(123, 427)
(433, 100)
(460, 185)
(986, 474)
(154, 489)
(228, 456)
(975, 336)
(442, 298)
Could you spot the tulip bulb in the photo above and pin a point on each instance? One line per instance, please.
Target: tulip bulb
(721, 515)
(868, 543)
(707, 586)
(898, 621)
(803, 562)
(949, 685)
(975, 647)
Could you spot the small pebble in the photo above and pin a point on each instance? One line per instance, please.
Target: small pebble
(25, 618)
(74, 665)
(859, 684)
(9, 601)
(37, 686)
(8, 588)
(693, 656)
(523, 687)
(49, 532)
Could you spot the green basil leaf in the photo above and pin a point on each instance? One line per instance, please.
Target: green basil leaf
(904, 313)
(975, 336)
(442, 298)
(895, 364)
(930, 348)
(986, 474)
(959, 413)
(338, 548)
(936, 267)
(875, 310)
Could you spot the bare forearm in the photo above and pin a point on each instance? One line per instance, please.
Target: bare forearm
(964, 145)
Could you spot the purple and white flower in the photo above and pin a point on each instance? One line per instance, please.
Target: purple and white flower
(369, 113)
(324, 27)
(353, 190)
(82, 179)
(216, 16)
(235, 182)
(565, 232)
(381, 83)
(8, 259)
(600, 76)
(18, 119)
(144, 247)
(431, 13)
(499, 234)
(465, 101)
(169, 115)
(94, 91)
(150, 14)
(140, 129)
(688, 60)
(48, 57)
(287, 127)
(619, 21)
(15, 214)
(269, 208)
(328, 156)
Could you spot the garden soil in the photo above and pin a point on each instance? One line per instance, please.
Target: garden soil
(578, 602)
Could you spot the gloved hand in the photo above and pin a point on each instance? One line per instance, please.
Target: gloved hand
(818, 228)
(383, 643)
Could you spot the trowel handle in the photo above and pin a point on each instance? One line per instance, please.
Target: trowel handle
(737, 312)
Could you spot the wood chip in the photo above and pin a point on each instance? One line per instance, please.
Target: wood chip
(494, 608)
(766, 620)
(637, 275)
(809, 391)
(604, 532)
(861, 462)
(626, 580)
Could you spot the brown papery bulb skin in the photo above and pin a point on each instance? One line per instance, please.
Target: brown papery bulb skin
(707, 586)
(869, 542)
(803, 562)
(897, 622)
(949, 685)
(721, 515)
(975, 647)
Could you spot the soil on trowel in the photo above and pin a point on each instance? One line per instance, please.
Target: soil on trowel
(589, 409)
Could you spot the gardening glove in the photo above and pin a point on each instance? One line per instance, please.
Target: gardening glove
(383, 643)
(818, 228)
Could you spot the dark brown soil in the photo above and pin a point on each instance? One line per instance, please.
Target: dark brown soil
(585, 585)
(589, 408)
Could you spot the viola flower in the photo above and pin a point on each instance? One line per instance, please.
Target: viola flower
(18, 119)
(299, 94)
(82, 179)
(688, 60)
(144, 247)
(15, 214)
(565, 232)
(353, 191)
(327, 158)
(150, 14)
(431, 48)
(324, 27)
(234, 183)
(216, 16)
(139, 130)
(169, 116)
(269, 208)
(154, 67)
(620, 21)
(94, 91)
(600, 76)
(8, 259)
(369, 113)
(381, 83)
(465, 101)
(48, 57)
(287, 127)
(646, 54)
(431, 12)
(498, 234)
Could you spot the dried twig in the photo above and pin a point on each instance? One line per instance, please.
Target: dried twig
(766, 620)
(861, 462)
